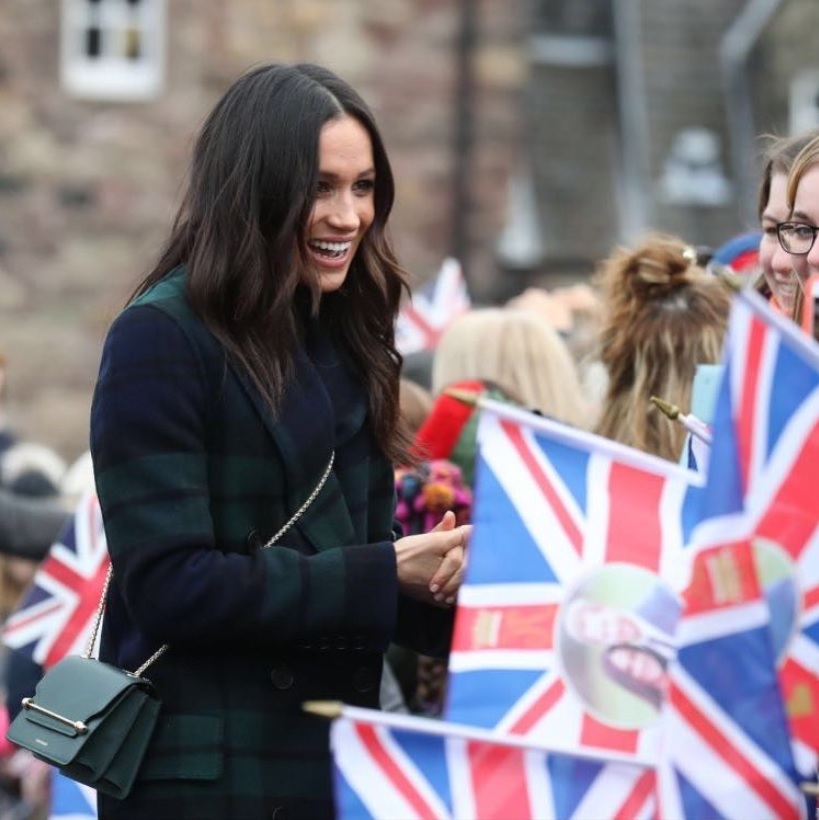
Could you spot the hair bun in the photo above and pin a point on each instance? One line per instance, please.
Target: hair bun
(658, 267)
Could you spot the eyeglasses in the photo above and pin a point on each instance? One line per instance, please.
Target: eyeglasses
(796, 237)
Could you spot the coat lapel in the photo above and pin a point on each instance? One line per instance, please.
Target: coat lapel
(304, 437)
(303, 430)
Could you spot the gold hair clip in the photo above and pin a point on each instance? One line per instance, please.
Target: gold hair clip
(690, 255)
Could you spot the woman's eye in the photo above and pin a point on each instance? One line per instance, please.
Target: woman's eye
(364, 186)
(804, 231)
(323, 188)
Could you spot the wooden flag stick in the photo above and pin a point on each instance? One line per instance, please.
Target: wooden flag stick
(330, 709)
(461, 395)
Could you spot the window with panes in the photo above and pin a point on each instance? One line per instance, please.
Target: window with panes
(113, 49)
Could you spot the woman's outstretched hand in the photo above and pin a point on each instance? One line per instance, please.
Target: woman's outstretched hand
(431, 565)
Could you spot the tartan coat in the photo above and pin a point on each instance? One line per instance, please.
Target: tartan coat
(193, 475)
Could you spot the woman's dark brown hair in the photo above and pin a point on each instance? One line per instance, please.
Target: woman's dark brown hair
(241, 233)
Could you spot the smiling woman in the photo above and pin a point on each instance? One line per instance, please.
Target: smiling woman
(798, 236)
(783, 274)
(251, 384)
(345, 204)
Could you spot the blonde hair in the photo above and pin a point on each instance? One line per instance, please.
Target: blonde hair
(805, 160)
(664, 315)
(520, 353)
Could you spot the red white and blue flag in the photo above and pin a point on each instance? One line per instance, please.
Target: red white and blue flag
(762, 488)
(577, 546)
(71, 800)
(432, 310)
(389, 766)
(726, 745)
(697, 448)
(56, 615)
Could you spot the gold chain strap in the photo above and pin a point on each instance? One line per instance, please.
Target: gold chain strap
(271, 542)
(303, 509)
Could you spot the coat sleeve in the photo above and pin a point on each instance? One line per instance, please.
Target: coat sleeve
(151, 438)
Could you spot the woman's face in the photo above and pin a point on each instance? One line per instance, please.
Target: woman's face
(783, 272)
(638, 665)
(603, 625)
(344, 207)
(806, 210)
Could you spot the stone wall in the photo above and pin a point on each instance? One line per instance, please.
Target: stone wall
(87, 188)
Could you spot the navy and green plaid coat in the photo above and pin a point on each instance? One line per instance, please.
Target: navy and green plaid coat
(194, 475)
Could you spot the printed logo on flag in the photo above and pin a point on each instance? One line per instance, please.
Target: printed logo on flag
(565, 622)
(762, 487)
(726, 751)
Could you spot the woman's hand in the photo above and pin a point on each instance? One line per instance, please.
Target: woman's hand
(431, 565)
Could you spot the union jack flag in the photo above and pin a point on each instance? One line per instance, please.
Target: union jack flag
(398, 766)
(56, 615)
(696, 453)
(576, 546)
(431, 311)
(726, 750)
(71, 800)
(762, 488)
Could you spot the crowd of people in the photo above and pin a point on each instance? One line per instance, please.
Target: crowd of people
(254, 427)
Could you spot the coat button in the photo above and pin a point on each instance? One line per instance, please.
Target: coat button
(365, 679)
(282, 677)
(255, 540)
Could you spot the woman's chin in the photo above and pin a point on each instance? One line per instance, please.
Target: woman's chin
(331, 281)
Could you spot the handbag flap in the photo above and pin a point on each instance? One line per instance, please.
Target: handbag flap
(78, 689)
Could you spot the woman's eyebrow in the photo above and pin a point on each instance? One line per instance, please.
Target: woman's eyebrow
(801, 215)
(333, 175)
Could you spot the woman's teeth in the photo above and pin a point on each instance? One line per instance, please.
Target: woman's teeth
(331, 249)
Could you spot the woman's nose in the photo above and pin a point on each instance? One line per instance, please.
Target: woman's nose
(782, 261)
(344, 213)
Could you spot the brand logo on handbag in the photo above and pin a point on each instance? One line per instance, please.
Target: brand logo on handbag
(41, 741)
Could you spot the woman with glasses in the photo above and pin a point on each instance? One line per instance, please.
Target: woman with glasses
(797, 234)
(782, 274)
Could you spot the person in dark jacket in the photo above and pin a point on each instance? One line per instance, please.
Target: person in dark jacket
(254, 375)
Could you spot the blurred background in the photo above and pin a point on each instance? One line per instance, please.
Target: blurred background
(528, 138)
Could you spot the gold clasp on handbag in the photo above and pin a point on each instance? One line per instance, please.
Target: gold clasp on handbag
(77, 725)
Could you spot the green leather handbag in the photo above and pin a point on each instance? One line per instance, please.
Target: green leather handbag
(91, 720)
(94, 721)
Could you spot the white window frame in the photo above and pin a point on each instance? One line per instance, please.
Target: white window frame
(112, 75)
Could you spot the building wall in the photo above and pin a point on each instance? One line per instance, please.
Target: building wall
(87, 189)
(578, 119)
(786, 48)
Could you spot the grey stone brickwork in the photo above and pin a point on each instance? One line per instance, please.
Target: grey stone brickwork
(87, 188)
